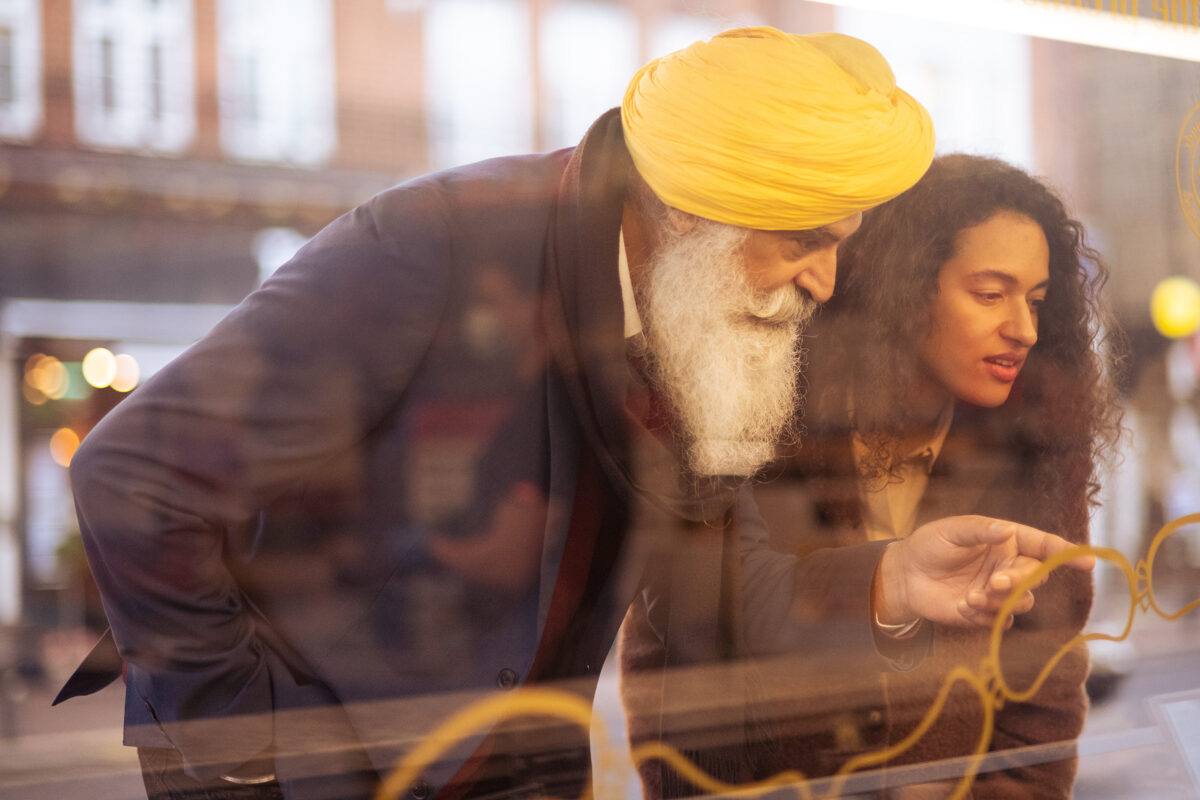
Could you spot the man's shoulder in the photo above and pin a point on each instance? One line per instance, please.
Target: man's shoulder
(533, 175)
(496, 196)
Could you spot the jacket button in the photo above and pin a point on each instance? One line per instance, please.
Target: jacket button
(876, 716)
(506, 678)
(419, 790)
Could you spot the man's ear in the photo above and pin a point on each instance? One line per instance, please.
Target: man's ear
(681, 221)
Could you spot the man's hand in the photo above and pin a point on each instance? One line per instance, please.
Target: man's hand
(959, 570)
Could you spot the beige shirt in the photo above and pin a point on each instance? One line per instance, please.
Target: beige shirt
(633, 320)
(889, 505)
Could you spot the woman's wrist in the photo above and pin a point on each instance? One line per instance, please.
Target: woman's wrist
(889, 612)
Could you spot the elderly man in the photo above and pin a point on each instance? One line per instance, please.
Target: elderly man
(301, 573)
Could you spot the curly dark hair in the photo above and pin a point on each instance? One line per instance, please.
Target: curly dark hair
(1062, 413)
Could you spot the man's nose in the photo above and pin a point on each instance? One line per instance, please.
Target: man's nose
(819, 275)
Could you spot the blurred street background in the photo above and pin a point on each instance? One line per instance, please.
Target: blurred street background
(159, 158)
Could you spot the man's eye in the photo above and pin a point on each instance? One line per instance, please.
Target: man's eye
(802, 248)
(988, 297)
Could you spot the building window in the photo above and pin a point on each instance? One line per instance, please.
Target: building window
(479, 79)
(943, 65)
(588, 54)
(156, 84)
(107, 76)
(134, 74)
(277, 84)
(676, 31)
(20, 68)
(8, 88)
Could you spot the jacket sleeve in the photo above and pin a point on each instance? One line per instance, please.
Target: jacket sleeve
(820, 602)
(299, 373)
(816, 607)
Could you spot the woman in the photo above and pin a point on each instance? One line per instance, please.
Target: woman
(958, 370)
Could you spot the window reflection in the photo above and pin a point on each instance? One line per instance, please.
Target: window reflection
(172, 153)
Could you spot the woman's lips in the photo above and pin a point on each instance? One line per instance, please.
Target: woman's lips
(1004, 368)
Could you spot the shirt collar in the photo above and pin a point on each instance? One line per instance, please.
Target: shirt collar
(922, 451)
(928, 451)
(633, 320)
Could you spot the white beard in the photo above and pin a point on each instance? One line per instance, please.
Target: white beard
(724, 354)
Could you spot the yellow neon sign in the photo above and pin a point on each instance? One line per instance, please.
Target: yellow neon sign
(987, 680)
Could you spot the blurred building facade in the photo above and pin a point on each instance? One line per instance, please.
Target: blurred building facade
(152, 155)
(159, 157)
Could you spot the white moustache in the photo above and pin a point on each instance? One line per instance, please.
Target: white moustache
(782, 307)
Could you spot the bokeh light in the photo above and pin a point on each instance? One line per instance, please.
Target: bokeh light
(46, 375)
(1175, 307)
(63, 445)
(126, 374)
(33, 395)
(99, 367)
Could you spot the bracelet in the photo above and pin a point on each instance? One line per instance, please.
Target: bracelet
(270, 776)
(897, 631)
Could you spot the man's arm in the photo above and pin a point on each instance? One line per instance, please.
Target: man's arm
(955, 571)
(294, 376)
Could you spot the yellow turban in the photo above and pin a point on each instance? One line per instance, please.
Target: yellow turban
(764, 129)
